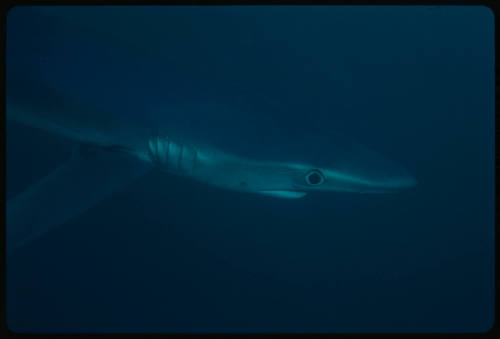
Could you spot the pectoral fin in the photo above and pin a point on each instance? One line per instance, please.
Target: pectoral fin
(284, 194)
(84, 180)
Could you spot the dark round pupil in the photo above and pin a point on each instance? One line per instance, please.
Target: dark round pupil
(314, 178)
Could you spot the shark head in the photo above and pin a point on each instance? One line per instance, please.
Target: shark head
(310, 178)
(348, 166)
(358, 170)
(296, 180)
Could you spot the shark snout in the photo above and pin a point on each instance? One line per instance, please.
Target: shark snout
(380, 177)
(391, 177)
(396, 183)
(395, 178)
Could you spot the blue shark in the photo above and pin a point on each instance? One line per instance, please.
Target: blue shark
(114, 152)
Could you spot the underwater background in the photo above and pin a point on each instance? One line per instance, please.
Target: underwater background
(167, 254)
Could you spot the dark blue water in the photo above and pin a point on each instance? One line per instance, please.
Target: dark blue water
(166, 254)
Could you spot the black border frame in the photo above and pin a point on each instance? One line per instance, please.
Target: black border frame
(7, 5)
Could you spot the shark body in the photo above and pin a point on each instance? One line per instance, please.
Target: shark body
(116, 151)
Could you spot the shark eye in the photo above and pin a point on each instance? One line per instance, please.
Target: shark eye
(314, 178)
